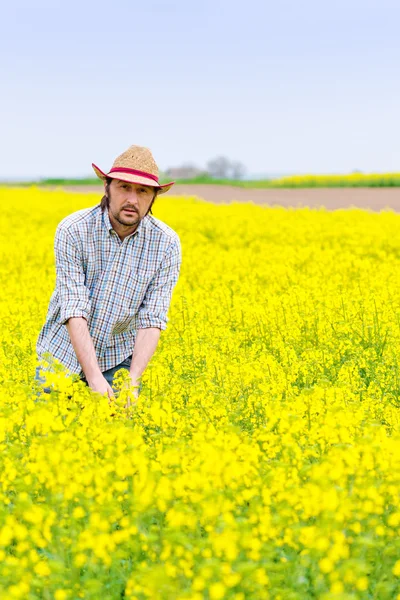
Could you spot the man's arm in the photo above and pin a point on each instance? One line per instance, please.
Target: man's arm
(152, 315)
(154, 308)
(86, 355)
(75, 307)
(145, 346)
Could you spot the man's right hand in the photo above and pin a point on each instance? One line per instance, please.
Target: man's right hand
(84, 349)
(100, 385)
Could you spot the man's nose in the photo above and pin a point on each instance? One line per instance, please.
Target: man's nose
(132, 197)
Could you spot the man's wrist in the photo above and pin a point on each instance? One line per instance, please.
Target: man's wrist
(93, 374)
(135, 374)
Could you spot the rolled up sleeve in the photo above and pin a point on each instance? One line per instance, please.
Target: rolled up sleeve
(72, 293)
(154, 308)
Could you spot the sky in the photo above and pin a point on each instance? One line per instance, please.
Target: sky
(284, 87)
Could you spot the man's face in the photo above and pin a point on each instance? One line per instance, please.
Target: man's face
(129, 202)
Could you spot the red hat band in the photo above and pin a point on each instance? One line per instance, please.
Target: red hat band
(134, 172)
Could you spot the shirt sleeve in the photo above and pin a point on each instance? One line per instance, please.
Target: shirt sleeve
(154, 308)
(72, 293)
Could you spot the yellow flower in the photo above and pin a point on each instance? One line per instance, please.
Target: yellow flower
(78, 512)
(396, 568)
(217, 591)
(231, 579)
(326, 565)
(80, 559)
(42, 569)
(21, 590)
(198, 584)
(362, 583)
(337, 587)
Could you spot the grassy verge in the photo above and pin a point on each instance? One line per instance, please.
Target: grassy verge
(296, 181)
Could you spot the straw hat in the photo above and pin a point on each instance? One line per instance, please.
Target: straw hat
(135, 165)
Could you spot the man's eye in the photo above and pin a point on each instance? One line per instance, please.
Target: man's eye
(143, 191)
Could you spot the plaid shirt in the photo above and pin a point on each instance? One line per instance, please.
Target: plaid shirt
(118, 287)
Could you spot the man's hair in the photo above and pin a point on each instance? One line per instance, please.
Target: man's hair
(105, 201)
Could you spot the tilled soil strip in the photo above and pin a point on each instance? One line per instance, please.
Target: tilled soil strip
(331, 198)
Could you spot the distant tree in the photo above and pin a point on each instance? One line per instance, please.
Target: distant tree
(224, 168)
(219, 167)
(185, 171)
(238, 170)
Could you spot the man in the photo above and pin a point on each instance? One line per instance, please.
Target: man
(116, 267)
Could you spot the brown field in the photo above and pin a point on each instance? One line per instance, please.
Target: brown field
(331, 198)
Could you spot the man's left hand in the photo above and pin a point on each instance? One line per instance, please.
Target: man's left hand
(134, 386)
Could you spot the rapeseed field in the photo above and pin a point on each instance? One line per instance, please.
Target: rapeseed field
(351, 180)
(262, 460)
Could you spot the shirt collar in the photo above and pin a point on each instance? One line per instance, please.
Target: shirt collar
(109, 227)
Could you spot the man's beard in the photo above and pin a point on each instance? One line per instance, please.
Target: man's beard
(128, 221)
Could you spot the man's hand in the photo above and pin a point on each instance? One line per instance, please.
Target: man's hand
(100, 384)
(134, 387)
(145, 345)
(84, 349)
